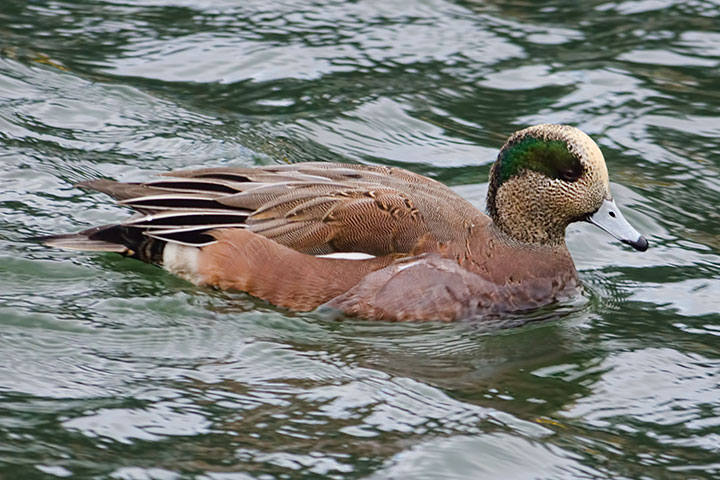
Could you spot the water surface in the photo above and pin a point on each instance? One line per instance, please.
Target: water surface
(114, 369)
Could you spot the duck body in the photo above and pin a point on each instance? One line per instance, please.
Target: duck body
(375, 242)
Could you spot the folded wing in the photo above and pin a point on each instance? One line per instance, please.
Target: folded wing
(314, 208)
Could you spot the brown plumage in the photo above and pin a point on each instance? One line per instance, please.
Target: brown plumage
(429, 254)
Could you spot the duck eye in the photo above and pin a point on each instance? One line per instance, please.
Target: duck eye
(612, 214)
(571, 174)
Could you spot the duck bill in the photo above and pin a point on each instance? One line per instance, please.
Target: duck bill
(609, 218)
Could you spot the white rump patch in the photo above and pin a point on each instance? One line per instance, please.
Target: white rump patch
(182, 260)
(348, 256)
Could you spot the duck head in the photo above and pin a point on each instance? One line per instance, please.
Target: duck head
(548, 176)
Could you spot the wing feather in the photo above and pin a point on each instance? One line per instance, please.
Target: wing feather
(316, 208)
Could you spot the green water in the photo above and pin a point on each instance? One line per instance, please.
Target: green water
(114, 369)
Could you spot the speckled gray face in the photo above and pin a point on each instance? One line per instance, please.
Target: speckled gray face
(609, 218)
(548, 176)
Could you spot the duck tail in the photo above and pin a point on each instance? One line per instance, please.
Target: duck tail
(121, 239)
(78, 241)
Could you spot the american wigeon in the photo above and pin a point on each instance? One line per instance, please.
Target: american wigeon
(377, 242)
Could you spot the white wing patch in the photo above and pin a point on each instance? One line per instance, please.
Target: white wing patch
(403, 266)
(348, 256)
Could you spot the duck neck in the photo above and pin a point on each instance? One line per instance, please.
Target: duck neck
(522, 218)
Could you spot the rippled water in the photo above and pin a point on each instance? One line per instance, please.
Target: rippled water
(113, 369)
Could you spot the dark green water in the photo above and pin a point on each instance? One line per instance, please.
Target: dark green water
(113, 369)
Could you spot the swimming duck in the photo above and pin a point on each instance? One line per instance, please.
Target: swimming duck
(376, 242)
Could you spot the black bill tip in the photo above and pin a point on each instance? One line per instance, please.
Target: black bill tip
(640, 244)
